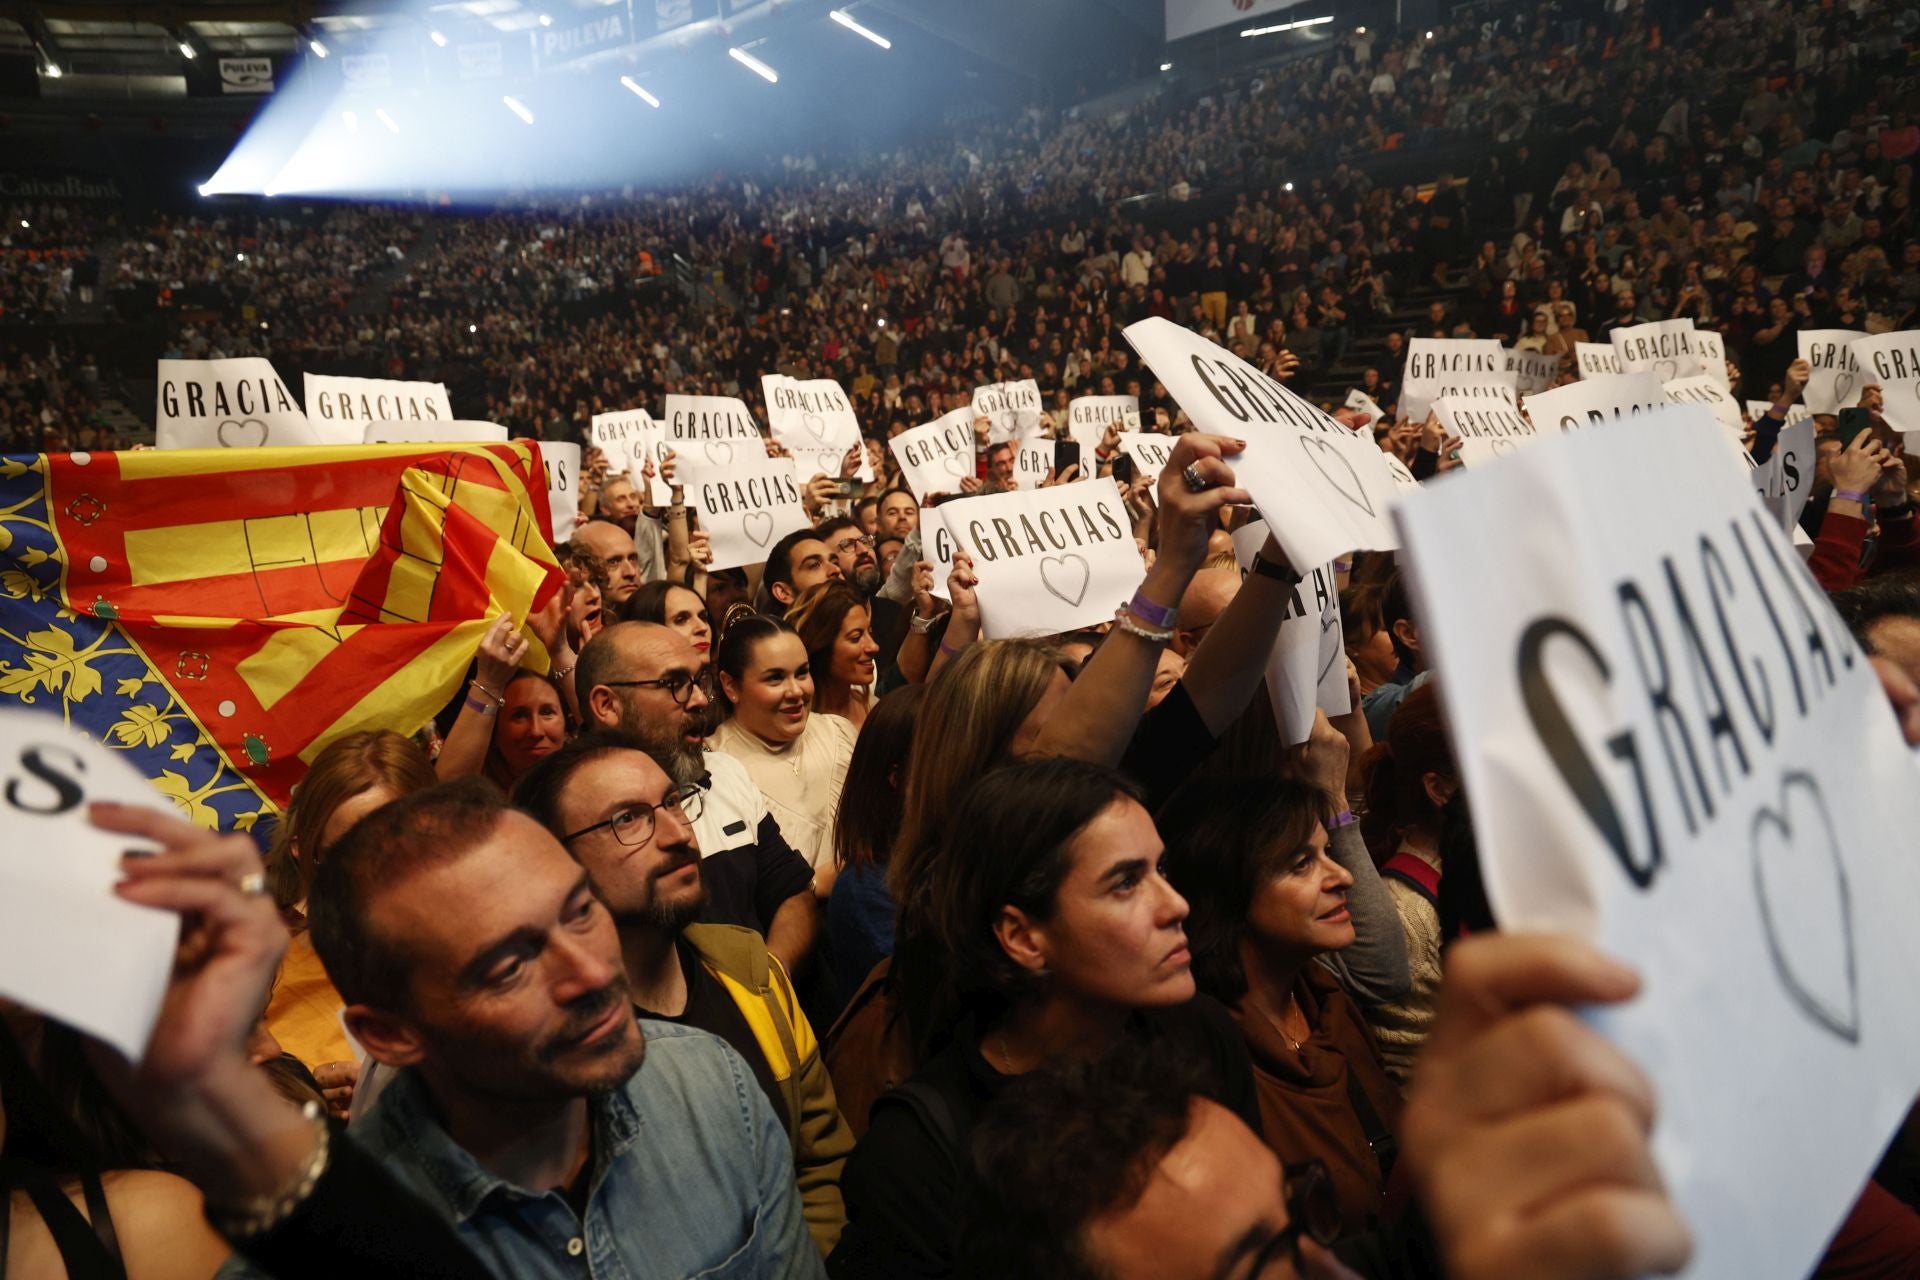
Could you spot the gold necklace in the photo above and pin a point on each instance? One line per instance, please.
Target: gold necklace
(1006, 1059)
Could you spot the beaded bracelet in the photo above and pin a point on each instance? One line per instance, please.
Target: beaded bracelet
(1152, 636)
(261, 1214)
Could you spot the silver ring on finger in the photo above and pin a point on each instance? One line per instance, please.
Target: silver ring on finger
(1196, 482)
(254, 883)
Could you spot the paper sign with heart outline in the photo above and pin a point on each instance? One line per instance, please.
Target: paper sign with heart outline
(746, 506)
(237, 402)
(1806, 905)
(1066, 576)
(1343, 478)
(1048, 560)
(719, 452)
(758, 526)
(250, 433)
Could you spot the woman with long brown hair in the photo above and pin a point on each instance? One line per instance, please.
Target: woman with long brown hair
(836, 626)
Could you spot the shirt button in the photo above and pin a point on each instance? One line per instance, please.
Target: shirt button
(576, 1247)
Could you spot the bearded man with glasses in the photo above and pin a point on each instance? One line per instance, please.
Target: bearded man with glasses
(649, 683)
(632, 828)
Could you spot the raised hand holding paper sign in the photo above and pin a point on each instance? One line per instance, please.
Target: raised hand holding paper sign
(69, 947)
(813, 420)
(1836, 382)
(237, 403)
(936, 457)
(1089, 417)
(1663, 348)
(706, 431)
(1487, 430)
(1451, 366)
(1891, 361)
(1532, 370)
(1323, 489)
(1149, 451)
(1676, 750)
(1049, 560)
(636, 444)
(1012, 409)
(1597, 359)
(746, 507)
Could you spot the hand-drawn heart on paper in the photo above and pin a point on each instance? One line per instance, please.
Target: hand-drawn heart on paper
(1806, 907)
(956, 465)
(719, 452)
(1341, 475)
(1066, 577)
(1025, 421)
(1331, 653)
(816, 426)
(249, 433)
(1666, 370)
(1503, 447)
(1842, 388)
(758, 526)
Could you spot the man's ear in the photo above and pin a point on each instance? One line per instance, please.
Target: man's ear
(603, 708)
(1022, 938)
(390, 1039)
(1407, 634)
(781, 591)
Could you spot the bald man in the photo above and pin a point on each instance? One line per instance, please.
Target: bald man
(618, 555)
(1206, 597)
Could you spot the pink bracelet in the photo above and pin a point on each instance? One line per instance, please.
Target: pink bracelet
(1344, 818)
(1850, 495)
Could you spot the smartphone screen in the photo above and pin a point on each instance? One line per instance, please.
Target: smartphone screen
(1066, 453)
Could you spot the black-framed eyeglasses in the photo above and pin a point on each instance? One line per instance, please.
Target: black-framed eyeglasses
(677, 684)
(847, 544)
(1312, 1211)
(633, 824)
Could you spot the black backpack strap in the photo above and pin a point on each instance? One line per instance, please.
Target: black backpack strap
(1380, 1139)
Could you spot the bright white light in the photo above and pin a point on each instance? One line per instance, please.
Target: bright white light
(754, 65)
(187, 51)
(473, 328)
(640, 93)
(437, 38)
(350, 120)
(1166, 66)
(239, 257)
(53, 71)
(883, 322)
(1286, 26)
(1286, 186)
(518, 108)
(25, 225)
(380, 114)
(319, 50)
(1359, 31)
(1429, 35)
(206, 189)
(845, 19)
(546, 19)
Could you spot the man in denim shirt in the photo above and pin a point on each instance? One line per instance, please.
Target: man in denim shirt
(560, 1135)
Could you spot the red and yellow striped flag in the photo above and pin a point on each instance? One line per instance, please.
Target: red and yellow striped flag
(285, 596)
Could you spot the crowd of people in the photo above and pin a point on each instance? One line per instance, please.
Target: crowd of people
(770, 921)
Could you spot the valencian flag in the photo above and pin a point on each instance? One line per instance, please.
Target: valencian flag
(221, 614)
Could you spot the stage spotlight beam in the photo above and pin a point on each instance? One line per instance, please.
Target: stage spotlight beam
(845, 19)
(632, 87)
(754, 65)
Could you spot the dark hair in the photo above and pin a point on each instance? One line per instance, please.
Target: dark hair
(426, 829)
(537, 794)
(780, 559)
(743, 634)
(1010, 850)
(900, 489)
(1106, 1125)
(818, 615)
(1226, 834)
(1462, 898)
(649, 603)
(868, 818)
(1396, 605)
(834, 524)
(1396, 767)
(1887, 596)
(869, 501)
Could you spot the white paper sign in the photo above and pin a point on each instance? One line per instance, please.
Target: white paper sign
(562, 465)
(1487, 430)
(1711, 393)
(235, 403)
(1308, 665)
(1149, 451)
(1533, 370)
(1012, 408)
(1836, 380)
(1710, 349)
(1033, 459)
(1048, 560)
(1793, 459)
(68, 946)
(1891, 361)
(426, 431)
(1449, 366)
(1089, 417)
(1358, 399)
(1323, 489)
(936, 457)
(1686, 759)
(707, 431)
(341, 408)
(1663, 348)
(1597, 359)
(1594, 401)
(631, 439)
(1401, 473)
(814, 421)
(746, 508)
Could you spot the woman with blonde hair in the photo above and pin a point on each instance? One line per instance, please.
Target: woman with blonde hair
(350, 778)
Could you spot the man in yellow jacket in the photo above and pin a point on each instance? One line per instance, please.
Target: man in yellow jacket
(631, 826)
